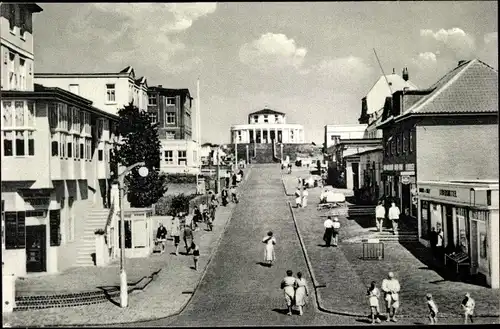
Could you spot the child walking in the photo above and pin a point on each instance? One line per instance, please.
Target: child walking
(373, 294)
(433, 309)
(196, 255)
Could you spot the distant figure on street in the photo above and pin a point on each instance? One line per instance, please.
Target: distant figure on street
(234, 194)
(233, 179)
(196, 255)
(175, 231)
(227, 179)
(394, 217)
(391, 288)
(301, 292)
(380, 215)
(305, 194)
(270, 242)
(298, 198)
(468, 305)
(288, 286)
(289, 168)
(433, 309)
(299, 182)
(463, 245)
(224, 196)
(336, 231)
(433, 237)
(161, 237)
(187, 235)
(373, 294)
(440, 243)
(327, 237)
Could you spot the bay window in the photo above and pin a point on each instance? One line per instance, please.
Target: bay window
(18, 125)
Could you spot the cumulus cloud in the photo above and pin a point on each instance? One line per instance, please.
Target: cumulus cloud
(425, 59)
(138, 32)
(272, 51)
(455, 39)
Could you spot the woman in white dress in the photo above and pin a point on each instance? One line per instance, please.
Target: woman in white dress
(270, 242)
(301, 292)
(305, 194)
(298, 198)
(288, 286)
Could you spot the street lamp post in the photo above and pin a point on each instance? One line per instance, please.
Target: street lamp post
(217, 183)
(143, 171)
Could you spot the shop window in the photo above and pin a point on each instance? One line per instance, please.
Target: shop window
(55, 227)
(15, 233)
(424, 219)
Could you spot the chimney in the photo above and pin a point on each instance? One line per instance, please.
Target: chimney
(405, 74)
(393, 71)
(461, 62)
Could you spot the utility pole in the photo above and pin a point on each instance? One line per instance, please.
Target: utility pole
(217, 185)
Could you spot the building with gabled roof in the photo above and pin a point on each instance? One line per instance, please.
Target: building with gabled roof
(109, 91)
(445, 133)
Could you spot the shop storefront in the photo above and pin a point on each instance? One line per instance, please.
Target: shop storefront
(399, 185)
(467, 212)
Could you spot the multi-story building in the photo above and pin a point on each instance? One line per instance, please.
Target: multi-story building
(445, 139)
(54, 150)
(171, 110)
(335, 133)
(108, 91)
(266, 126)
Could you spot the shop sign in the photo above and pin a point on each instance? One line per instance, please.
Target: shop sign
(424, 190)
(388, 167)
(410, 166)
(405, 180)
(449, 193)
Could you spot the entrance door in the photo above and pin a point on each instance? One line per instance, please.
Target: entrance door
(406, 198)
(449, 227)
(35, 249)
(355, 175)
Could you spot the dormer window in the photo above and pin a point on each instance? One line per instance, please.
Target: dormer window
(255, 118)
(266, 118)
(276, 118)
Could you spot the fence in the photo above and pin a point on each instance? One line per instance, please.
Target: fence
(373, 250)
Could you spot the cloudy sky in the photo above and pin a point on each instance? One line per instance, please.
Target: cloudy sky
(313, 61)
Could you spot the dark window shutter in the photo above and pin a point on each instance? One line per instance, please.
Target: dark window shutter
(55, 228)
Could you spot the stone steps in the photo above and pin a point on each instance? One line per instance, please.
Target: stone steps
(96, 219)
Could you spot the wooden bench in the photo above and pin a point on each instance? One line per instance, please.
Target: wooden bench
(460, 259)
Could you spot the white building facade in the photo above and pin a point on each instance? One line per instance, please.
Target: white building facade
(108, 91)
(267, 125)
(334, 133)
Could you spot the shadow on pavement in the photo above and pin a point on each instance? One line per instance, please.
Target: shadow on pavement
(263, 264)
(285, 311)
(106, 290)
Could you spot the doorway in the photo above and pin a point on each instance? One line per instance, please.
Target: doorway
(36, 259)
(449, 227)
(355, 176)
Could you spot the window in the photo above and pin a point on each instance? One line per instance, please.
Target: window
(152, 99)
(70, 146)
(398, 144)
(110, 93)
(169, 157)
(55, 227)
(255, 118)
(393, 147)
(170, 135)
(170, 118)
(265, 118)
(82, 149)
(75, 89)
(405, 143)
(18, 126)
(62, 145)
(170, 100)
(411, 141)
(100, 155)
(88, 148)
(153, 117)
(55, 144)
(12, 72)
(82, 122)
(15, 234)
(76, 143)
(70, 119)
(275, 118)
(22, 74)
(181, 158)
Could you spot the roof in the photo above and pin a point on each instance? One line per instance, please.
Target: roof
(128, 71)
(266, 111)
(370, 150)
(471, 87)
(375, 97)
(170, 91)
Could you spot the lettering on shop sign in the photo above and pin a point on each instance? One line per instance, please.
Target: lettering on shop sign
(424, 190)
(448, 193)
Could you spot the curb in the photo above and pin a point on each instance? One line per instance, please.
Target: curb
(351, 314)
(195, 289)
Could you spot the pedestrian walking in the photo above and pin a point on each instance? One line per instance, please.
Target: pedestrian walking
(433, 237)
(335, 231)
(289, 168)
(187, 235)
(175, 232)
(373, 294)
(298, 198)
(391, 288)
(234, 179)
(327, 237)
(305, 194)
(440, 243)
(196, 255)
(301, 292)
(468, 305)
(161, 237)
(394, 217)
(433, 309)
(234, 194)
(288, 286)
(380, 215)
(269, 255)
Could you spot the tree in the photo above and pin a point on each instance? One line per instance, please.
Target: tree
(140, 143)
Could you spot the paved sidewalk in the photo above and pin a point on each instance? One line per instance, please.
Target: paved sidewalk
(167, 295)
(342, 277)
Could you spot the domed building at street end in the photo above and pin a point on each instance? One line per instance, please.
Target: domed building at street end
(266, 126)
